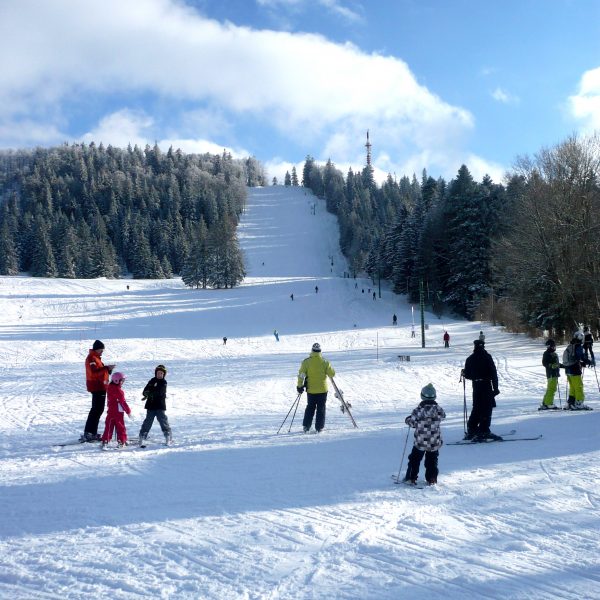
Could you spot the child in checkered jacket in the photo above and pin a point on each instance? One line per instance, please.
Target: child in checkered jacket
(426, 420)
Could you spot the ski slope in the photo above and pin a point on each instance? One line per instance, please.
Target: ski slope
(235, 511)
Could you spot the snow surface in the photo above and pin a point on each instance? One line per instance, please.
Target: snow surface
(234, 510)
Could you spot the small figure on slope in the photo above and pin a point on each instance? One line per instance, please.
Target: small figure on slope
(481, 370)
(550, 361)
(312, 375)
(117, 407)
(573, 360)
(155, 394)
(446, 339)
(426, 420)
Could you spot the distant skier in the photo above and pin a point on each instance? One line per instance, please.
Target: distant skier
(316, 289)
(96, 382)
(446, 339)
(155, 394)
(588, 342)
(276, 334)
(481, 370)
(574, 360)
(394, 320)
(374, 296)
(117, 407)
(312, 375)
(224, 341)
(550, 361)
(482, 337)
(292, 297)
(426, 420)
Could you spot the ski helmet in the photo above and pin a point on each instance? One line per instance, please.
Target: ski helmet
(117, 378)
(161, 368)
(550, 343)
(316, 347)
(98, 345)
(428, 392)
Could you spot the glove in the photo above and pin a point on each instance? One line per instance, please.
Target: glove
(496, 392)
(407, 421)
(299, 389)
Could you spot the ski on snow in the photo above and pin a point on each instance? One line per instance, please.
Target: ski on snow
(75, 443)
(404, 482)
(477, 442)
(345, 406)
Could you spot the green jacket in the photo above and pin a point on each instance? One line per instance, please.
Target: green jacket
(313, 373)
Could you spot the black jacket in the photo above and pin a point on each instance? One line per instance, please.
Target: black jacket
(550, 361)
(155, 393)
(480, 369)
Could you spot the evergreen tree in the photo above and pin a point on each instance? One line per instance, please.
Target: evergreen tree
(42, 257)
(9, 264)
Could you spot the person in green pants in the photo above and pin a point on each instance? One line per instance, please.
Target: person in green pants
(550, 361)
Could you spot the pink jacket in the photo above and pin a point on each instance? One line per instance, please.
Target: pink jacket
(115, 399)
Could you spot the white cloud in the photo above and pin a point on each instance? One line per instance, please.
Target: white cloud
(318, 93)
(504, 97)
(121, 128)
(585, 105)
(201, 146)
(335, 6)
(136, 127)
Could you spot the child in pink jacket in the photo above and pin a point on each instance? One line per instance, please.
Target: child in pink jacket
(117, 406)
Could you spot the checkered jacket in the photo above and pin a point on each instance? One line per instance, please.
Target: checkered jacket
(426, 419)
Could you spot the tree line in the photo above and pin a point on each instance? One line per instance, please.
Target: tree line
(89, 211)
(522, 253)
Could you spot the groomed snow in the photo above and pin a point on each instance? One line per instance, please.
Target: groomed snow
(235, 511)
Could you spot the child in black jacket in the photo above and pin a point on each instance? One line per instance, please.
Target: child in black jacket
(155, 394)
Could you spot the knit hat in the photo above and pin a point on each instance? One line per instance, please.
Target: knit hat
(428, 392)
(550, 343)
(98, 345)
(161, 368)
(316, 347)
(478, 343)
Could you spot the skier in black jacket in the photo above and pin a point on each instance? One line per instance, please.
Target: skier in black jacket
(155, 394)
(481, 370)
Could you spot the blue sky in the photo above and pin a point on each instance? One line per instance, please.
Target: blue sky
(437, 82)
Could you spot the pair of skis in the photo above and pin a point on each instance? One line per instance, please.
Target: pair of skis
(505, 437)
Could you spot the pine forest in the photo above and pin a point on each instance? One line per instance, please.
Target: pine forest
(86, 211)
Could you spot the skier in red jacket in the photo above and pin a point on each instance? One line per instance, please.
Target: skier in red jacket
(117, 406)
(96, 380)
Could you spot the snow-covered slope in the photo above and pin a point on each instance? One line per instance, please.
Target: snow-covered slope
(234, 510)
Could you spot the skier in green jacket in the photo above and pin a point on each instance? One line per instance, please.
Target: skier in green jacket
(312, 375)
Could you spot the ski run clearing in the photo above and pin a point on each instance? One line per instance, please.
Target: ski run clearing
(235, 511)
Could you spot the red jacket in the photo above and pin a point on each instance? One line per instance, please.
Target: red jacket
(115, 400)
(96, 374)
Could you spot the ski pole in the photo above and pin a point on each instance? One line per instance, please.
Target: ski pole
(464, 382)
(559, 396)
(596, 374)
(403, 453)
(296, 401)
(294, 415)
